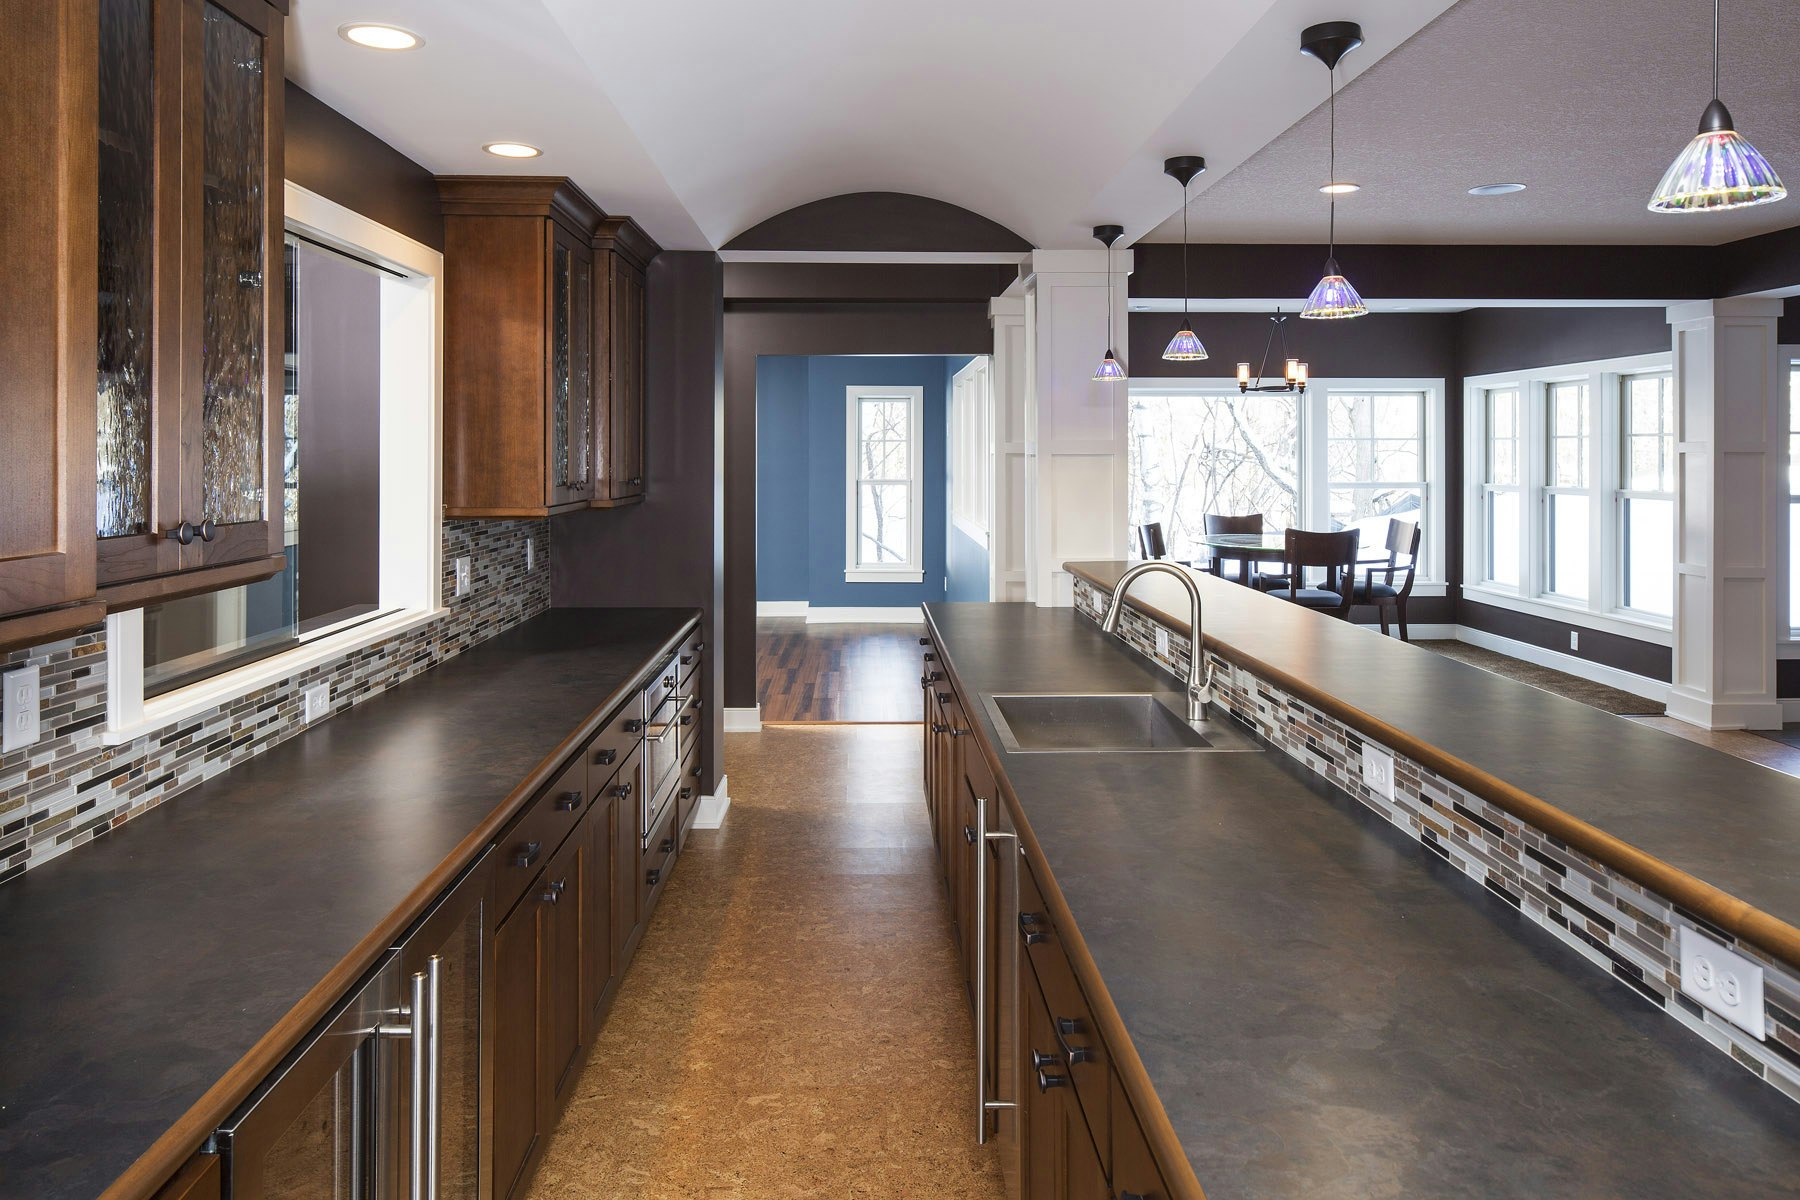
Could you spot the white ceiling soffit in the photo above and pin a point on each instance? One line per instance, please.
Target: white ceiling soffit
(490, 70)
(1587, 103)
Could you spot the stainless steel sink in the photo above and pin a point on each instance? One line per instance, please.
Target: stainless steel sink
(1109, 723)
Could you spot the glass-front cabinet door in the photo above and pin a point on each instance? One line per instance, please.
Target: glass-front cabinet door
(571, 391)
(190, 317)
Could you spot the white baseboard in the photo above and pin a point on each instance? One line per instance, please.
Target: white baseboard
(714, 807)
(1637, 685)
(874, 616)
(1790, 710)
(744, 720)
(781, 608)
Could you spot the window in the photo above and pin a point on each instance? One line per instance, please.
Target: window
(884, 518)
(1568, 505)
(1793, 466)
(362, 502)
(1647, 493)
(1375, 463)
(1349, 453)
(1500, 488)
(1580, 526)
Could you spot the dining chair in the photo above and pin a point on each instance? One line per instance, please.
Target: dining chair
(1150, 540)
(1335, 554)
(1217, 523)
(1402, 540)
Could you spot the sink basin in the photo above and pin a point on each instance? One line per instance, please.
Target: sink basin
(1110, 723)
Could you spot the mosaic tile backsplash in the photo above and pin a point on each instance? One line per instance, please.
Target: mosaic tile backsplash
(1614, 923)
(69, 789)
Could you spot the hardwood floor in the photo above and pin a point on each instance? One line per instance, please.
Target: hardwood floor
(830, 672)
(794, 1024)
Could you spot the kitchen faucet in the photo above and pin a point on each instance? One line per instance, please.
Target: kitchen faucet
(1199, 680)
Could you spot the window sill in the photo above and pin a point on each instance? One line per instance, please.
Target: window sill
(1642, 629)
(904, 575)
(178, 705)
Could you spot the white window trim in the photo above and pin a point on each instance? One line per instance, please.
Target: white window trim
(971, 448)
(411, 496)
(1601, 611)
(1315, 490)
(913, 569)
(1788, 644)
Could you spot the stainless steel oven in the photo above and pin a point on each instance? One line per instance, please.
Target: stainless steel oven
(382, 1101)
(662, 762)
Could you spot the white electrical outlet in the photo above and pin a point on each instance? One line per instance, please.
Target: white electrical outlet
(462, 576)
(1574, 640)
(316, 701)
(21, 709)
(1723, 980)
(1162, 641)
(1378, 771)
(530, 554)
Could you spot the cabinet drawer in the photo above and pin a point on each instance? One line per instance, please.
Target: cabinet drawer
(617, 738)
(537, 834)
(657, 860)
(1077, 1041)
(687, 791)
(1135, 1173)
(661, 685)
(688, 661)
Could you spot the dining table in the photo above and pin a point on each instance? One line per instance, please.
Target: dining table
(1244, 548)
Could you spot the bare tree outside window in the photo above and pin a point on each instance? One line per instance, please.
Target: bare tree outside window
(1222, 453)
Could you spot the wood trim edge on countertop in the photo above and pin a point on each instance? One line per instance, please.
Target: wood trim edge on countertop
(170, 1152)
(1729, 913)
(1165, 1146)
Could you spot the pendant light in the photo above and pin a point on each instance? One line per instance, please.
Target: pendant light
(1332, 298)
(1294, 372)
(1184, 346)
(1718, 169)
(1109, 370)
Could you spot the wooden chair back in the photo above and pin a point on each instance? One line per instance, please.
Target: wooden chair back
(1150, 540)
(1219, 523)
(1335, 553)
(1402, 539)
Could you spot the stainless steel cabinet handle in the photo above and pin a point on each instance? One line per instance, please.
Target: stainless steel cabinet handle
(434, 1095)
(421, 1085)
(979, 837)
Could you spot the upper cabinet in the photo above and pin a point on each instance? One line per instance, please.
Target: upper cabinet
(624, 251)
(140, 357)
(519, 345)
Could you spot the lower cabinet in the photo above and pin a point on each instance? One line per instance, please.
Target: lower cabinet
(1061, 1159)
(518, 1032)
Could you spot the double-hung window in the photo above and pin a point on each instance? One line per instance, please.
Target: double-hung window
(1646, 496)
(884, 514)
(1793, 487)
(1376, 464)
(1568, 500)
(1500, 487)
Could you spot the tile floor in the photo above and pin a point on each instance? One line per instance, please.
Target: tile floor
(794, 1023)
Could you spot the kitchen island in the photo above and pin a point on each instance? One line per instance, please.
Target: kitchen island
(1300, 999)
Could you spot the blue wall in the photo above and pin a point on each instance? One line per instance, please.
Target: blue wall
(800, 476)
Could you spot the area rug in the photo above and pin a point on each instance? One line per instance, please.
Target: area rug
(1594, 695)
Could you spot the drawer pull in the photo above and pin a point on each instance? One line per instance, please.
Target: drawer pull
(687, 793)
(1029, 933)
(686, 659)
(528, 854)
(945, 697)
(668, 681)
(569, 801)
(924, 682)
(606, 758)
(930, 657)
(652, 875)
(696, 771)
(1047, 1080)
(934, 676)
(688, 720)
(924, 641)
(634, 726)
(668, 845)
(699, 646)
(1066, 1027)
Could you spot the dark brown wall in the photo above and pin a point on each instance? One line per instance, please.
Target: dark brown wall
(330, 154)
(669, 550)
(1518, 339)
(767, 312)
(880, 221)
(1608, 649)
(339, 359)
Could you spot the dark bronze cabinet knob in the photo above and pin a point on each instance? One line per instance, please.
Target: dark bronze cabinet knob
(206, 529)
(668, 845)
(1040, 1060)
(635, 481)
(652, 875)
(924, 641)
(182, 533)
(623, 790)
(1049, 1079)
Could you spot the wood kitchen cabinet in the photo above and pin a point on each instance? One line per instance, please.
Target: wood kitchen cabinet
(520, 339)
(622, 252)
(189, 426)
(519, 1041)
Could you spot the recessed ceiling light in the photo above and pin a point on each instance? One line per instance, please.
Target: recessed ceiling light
(380, 37)
(1496, 189)
(512, 150)
(1339, 189)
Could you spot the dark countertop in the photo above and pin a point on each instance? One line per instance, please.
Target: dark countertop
(1323, 1007)
(1727, 822)
(140, 969)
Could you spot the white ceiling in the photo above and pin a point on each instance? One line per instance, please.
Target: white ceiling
(703, 118)
(1585, 102)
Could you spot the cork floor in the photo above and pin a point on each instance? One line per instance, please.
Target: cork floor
(794, 1023)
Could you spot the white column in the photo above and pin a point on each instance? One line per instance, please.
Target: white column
(1006, 548)
(1728, 500)
(1075, 430)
